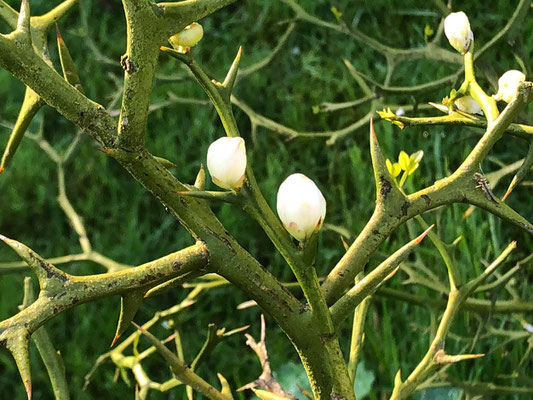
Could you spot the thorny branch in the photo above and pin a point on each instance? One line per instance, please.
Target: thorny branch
(312, 328)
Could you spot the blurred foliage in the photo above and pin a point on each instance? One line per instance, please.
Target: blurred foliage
(125, 223)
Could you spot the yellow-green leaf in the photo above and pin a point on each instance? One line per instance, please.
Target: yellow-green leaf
(428, 32)
(403, 160)
(417, 157)
(394, 169)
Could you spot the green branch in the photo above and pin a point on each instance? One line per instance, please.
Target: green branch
(392, 209)
(181, 370)
(370, 283)
(457, 118)
(51, 357)
(61, 291)
(436, 355)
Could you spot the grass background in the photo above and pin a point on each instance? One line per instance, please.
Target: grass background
(128, 225)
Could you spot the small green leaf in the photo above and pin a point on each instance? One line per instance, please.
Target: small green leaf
(417, 156)
(336, 13)
(389, 165)
(428, 32)
(394, 169)
(414, 161)
(412, 168)
(388, 115)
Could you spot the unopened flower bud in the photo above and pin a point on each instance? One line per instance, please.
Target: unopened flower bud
(508, 85)
(468, 104)
(187, 38)
(301, 206)
(458, 32)
(226, 162)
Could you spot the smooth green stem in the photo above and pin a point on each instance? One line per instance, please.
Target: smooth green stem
(72, 215)
(427, 364)
(403, 179)
(487, 103)
(454, 274)
(358, 335)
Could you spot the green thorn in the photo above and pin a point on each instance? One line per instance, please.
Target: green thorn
(229, 81)
(129, 305)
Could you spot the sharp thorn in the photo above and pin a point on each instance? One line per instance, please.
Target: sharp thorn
(372, 131)
(423, 235)
(27, 386)
(115, 339)
(59, 37)
(507, 194)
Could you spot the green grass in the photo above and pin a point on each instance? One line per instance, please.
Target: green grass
(127, 224)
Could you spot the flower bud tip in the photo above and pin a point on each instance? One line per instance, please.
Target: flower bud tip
(2, 169)
(3, 238)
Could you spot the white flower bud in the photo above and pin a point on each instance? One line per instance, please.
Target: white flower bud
(508, 85)
(458, 32)
(301, 206)
(469, 105)
(187, 38)
(226, 162)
